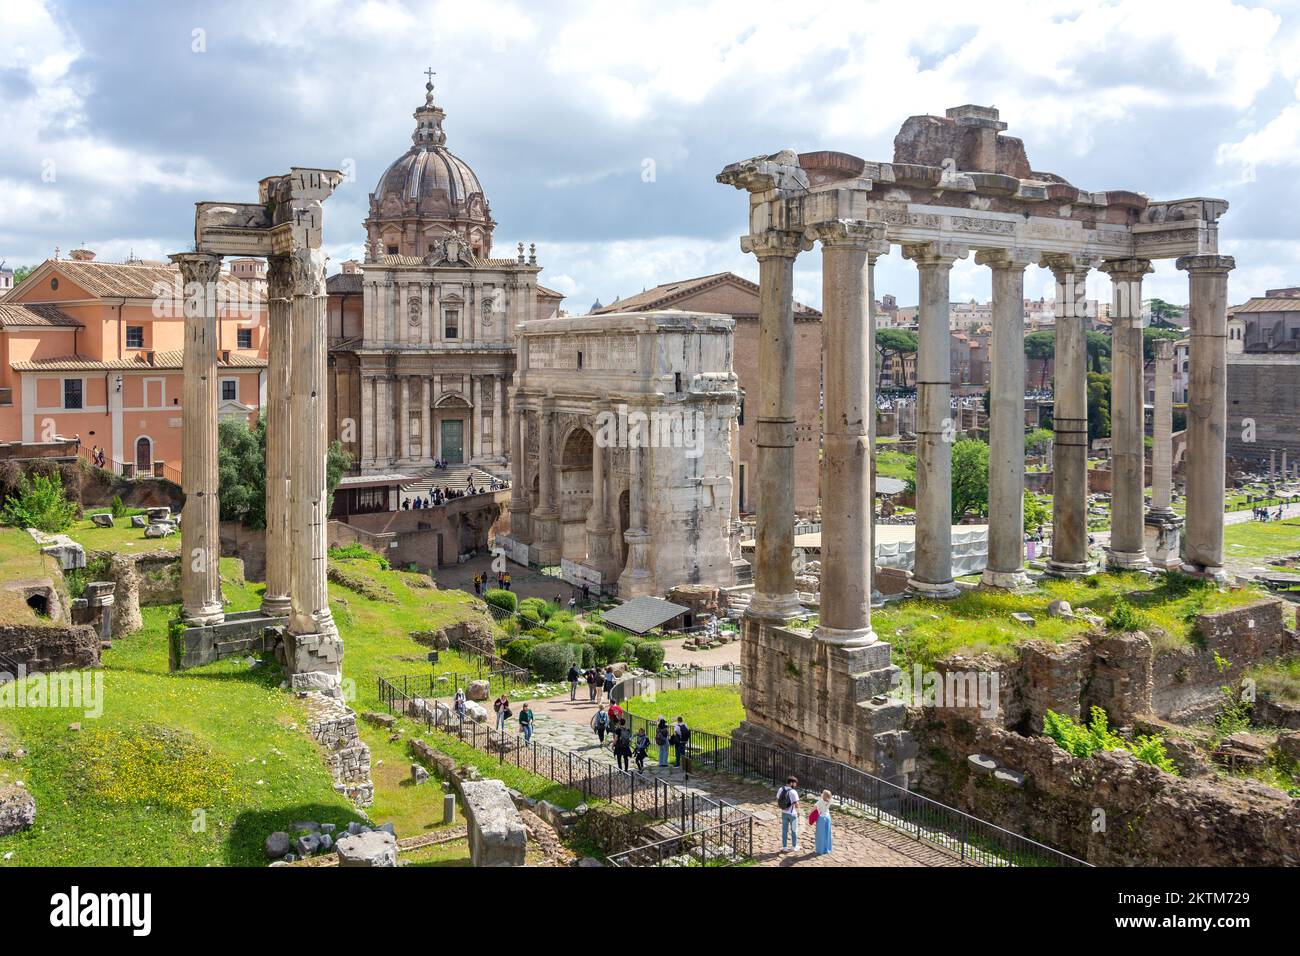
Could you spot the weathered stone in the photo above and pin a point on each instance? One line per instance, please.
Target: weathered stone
(497, 836)
(982, 763)
(1288, 744)
(102, 520)
(478, 690)
(159, 531)
(138, 521)
(1010, 777)
(17, 810)
(1059, 608)
(475, 712)
(418, 774)
(277, 845)
(373, 849)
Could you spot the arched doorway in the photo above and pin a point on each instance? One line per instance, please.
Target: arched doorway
(575, 493)
(143, 456)
(451, 426)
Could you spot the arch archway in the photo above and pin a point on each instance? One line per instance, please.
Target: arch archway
(574, 489)
(143, 455)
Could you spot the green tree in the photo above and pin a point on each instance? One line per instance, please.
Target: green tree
(1098, 351)
(970, 478)
(1037, 514)
(39, 502)
(241, 472)
(1037, 439)
(893, 342)
(1163, 313)
(1098, 405)
(1149, 338)
(1041, 347)
(22, 272)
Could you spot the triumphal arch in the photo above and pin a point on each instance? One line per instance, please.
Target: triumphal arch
(956, 187)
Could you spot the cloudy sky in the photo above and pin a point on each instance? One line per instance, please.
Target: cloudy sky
(117, 116)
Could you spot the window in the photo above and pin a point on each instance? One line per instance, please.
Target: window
(451, 323)
(244, 338)
(229, 390)
(579, 360)
(392, 250)
(72, 393)
(135, 336)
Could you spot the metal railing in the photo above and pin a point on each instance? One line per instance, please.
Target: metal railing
(485, 652)
(722, 845)
(656, 683)
(681, 811)
(973, 840)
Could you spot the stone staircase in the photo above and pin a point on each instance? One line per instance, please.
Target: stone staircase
(454, 478)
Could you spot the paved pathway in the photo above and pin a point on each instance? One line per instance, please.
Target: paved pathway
(722, 654)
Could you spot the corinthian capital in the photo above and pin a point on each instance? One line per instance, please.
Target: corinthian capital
(307, 267)
(935, 253)
(1130, 269)
(201, 267)
(856, 233)
(1014, 258)
(778, 243)
(1221, 264)
(279, 277)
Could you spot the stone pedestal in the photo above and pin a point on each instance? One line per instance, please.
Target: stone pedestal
(1164, 539)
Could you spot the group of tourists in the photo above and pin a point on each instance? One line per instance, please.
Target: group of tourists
(97, 456)
(595, 680)
(1263, 514)
(501, 707)
(819, 818)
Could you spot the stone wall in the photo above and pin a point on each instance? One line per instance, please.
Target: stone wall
(333, 725)
(246, 544)
(1110, 808)
(42, 649)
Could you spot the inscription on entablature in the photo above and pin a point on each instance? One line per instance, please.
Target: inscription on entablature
(997, 227)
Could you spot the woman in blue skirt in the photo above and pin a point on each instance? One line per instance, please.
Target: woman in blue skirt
(823, 824)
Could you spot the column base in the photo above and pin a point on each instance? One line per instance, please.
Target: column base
(1070, 569)
(545, 549)
(1127, 560)
(1215, 573)
(204, 614)
(314, 661)
(1004, 580)
(775, 607)
(276, 606)
(845, 636)
(1163, 531)
(943, 591)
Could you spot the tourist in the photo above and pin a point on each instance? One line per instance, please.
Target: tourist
(661, 741)
(573, 681)
(505, 581)
(820, 821)
(616, 713)
(683, 735)
(573, 603)
(641, 746)
(502, 707)
(787, 801)
(526, 723)
(593, 684)
(459, 704)
(622, 744)
(600, 723)
(478, 584)
(609, 680)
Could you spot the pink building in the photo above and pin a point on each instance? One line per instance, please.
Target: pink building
(93, 350)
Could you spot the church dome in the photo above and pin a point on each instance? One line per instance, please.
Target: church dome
(428, 194)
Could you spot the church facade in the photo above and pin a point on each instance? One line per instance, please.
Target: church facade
(422, 331)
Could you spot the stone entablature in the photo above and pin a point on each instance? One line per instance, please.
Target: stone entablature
(623, 448)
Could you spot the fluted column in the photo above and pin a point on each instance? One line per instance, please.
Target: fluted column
(1207, 413)
(200, 544)
(308, 506)
(1070, 420)
(545, 515)
(1006, 562)
(1127, 404)
(498, 409)
(520, 505)
(845, 616)
(1162, 450)
(774, 589)
(279, 436)
(935, 429)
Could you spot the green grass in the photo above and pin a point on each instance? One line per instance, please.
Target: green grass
(895, 464)
(1255, 539)
(120, 537)
(1279, 679)
(716, 710)
(979, 621)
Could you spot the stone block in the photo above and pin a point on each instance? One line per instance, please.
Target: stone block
(497, 836)
(159, 530)
(418, 774)
(478, 690)
(277, 845)
(17, 810)
(139, 521)
(982, 764)
(372, 849)
(102, 520)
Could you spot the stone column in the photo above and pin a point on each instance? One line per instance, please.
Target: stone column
(498, 407)
(1127, 403)
(367, 420)
(935, 429)
(1006, 563)
(426, 433)
(476, 415)
(1070, 420)
(846, 562)
(200, 544)
(636, 579)
(601, 553)
(316, 656)
(545, 516)
(1163, 527)
(1207, 413)
(520, 505)
(279, 436)
(404, 417)
(774, 590)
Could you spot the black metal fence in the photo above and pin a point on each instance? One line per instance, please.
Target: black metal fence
(722, 845)
(973, 840)
(681, 811)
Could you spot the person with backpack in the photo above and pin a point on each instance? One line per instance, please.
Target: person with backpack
(502, 707)
(622, 744)
(526, 722)
(683, 735)
(478, 584)
(638, 751)
(600, 723)
(609, 680)
(661, 741)
(787, 801)
(573, 681)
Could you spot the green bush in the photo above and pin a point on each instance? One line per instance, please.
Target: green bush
(1123, 617)
(41, 504)
(529, 615)
(519, 651)
(359, 551)
(1084, 740)
(116, 508)
(650, 656)
(500, 597)
(560, 617)
(540, 609)
(551, 660)
(611, 642)
(588, 655)
(594, 628)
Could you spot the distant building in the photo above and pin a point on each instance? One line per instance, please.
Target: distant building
(1264, 378)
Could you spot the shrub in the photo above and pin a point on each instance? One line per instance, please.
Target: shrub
(519, 651)
(116, 508)
(650, 656)
(551, 660)
(540, 609)
(588, 655)
(359, 551)
(529, 615)
(1123, 617)
(1084, 740)
(611, 642)
(500, 597)
(560, 617)
(41, 504)
(629, 649)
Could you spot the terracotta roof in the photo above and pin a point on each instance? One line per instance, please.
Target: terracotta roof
(43, 316)
(166, 361)
(1266, 304)
(343, 282)
(114, 279)
(549, 293)
(662, 296)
